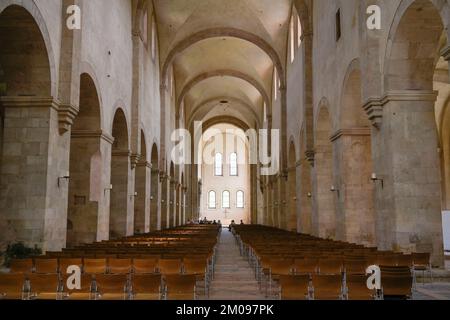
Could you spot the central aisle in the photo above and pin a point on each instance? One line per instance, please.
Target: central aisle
(234, 278)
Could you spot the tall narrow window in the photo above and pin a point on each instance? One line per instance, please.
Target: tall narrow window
(218, 165)
(212, 200)
(265, 112)
(292, 39)
(226, 200)
(233, 165)
(338, 25)
(144, 29)
(299, 32)
(275, 84)
(153, 38)
(240, 199)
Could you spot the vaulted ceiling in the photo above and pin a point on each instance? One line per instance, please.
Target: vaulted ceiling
(223, 54)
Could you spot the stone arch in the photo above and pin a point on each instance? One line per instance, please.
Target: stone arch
(223, 32)
(292, 185)
(324, 218)
(155, 215)
(353, 146)
(85, 182)
(120, 221)
(25, 62)
(220, 73)
(409, 110)
(88, 70)
(204, 105)
(28, 85)
(413, 45)
(29, 11)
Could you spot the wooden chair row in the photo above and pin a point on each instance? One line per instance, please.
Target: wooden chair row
(98, 287)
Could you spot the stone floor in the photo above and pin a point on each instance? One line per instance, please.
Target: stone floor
(234, 278)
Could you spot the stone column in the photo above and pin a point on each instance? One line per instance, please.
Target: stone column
(142, 200)
(172, 203)
(35, 170)
(408, 199)
(87, 188)
(355, 220)
(165, 198)
(155, 213)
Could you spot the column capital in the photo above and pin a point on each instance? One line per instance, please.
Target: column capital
(359, 131)
(445, 53)
(310, 156)
(66, 112)
(143, 163)
(92, 134)
(374, 110)
(121, 153)
(134, 159)
(410, 95)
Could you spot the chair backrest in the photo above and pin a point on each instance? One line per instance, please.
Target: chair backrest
(355, 267)
(327, 287)
(146, 283)
(305, 266)
(11, 285)
(330, 266)
(119, 266)
(169, 266)
(294, 287)
(180, 286)
(21, 265)
(195, 265)
(357, 287)
(94, 266)
(111, 283)
(64, 263)
(86, 284)
(145, 266)
(421, 259)
(281, 266)
(46, 266)
(43, 284)
(396, 281)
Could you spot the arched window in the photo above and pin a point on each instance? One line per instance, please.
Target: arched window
(292, 39)
(275, 84)
(240, 199)
(153, 38)
(218, 165)
(299, 32)
(212, 200)
(233, 165)
(226, 200)
(144, 28)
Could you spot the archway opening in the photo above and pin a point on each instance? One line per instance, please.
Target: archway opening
(324, 222)
(305, 191)
(141, 205)
(85, 182)
(25, 78)
(292, 183)
(155, 222)
(120, 167)
(356, 220)
(172, 196)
